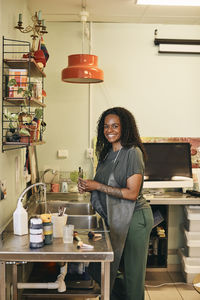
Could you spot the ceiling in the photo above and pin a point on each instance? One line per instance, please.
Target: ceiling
(121, 11)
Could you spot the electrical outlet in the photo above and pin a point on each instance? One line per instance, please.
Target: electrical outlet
(89, 153)
(63, 153)
(3, 192)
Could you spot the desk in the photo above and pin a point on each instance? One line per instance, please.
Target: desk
(172, 198)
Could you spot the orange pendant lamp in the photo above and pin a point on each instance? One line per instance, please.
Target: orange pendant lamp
(82, 68)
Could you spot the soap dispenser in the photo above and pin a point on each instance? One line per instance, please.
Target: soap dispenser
(20, 220)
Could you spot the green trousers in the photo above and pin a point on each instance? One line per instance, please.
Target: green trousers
(129, 284)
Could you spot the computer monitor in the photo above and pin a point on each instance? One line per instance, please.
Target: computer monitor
(168, 165)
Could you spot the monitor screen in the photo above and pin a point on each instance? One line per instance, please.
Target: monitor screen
(168, 161)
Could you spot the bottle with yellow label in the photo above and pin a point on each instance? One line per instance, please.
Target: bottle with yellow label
(47, 228)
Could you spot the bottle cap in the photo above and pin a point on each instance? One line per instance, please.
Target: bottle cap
(45, 218)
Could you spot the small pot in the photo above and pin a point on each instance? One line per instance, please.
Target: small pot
(33, 131)
(12, 136)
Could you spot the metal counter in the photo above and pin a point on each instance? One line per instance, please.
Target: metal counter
(16, 249)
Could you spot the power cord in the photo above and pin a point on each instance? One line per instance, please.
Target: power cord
(167, 283)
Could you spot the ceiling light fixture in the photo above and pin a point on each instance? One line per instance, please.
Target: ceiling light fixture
(170, 2)
(82, 68)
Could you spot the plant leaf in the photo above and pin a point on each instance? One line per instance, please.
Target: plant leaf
(24, 131)
(12, 82)
(20, 90)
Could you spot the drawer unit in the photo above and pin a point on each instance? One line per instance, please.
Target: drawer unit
(190, 266)
(192, 217)
(192, 243)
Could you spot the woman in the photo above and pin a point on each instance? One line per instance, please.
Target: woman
(116, 194)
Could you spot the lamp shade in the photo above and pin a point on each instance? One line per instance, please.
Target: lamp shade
(82, 68)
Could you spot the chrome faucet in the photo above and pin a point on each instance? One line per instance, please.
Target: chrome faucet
(31, 186)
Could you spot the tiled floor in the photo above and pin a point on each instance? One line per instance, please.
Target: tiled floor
(176, 290)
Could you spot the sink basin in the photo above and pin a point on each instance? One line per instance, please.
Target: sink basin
(74, 208)
(68, 197)
(83, 222)
(81, 215)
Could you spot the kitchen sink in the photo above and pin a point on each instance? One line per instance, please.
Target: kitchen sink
(83, 221)
(71, 208)
(81, 215)
(68, 197)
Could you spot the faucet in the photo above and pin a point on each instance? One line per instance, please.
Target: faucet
(29, 187)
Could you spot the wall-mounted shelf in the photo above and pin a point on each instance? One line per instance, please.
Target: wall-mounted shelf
(22, 117)
(180, 46)
(20, 101)
(21, 144)
(25, 63)
(176, 41)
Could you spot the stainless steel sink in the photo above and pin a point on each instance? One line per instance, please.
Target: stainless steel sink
(80, 214)
(83, 222)
(68, 197)
(72, 208)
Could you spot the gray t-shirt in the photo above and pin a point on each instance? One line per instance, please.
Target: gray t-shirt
(133, 164)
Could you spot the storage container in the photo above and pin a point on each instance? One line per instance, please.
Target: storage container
(192, 243)
(192, 217)
(190, 266)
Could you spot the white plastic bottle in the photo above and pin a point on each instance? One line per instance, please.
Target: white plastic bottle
(20, 220)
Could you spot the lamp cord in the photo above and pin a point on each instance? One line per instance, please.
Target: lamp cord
(166, 283)
(83, 36)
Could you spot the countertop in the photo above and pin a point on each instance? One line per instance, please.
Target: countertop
(16, 248)
(172, 198)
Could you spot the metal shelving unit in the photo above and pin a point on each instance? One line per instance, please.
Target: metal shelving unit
(12, 55)
(158, 246)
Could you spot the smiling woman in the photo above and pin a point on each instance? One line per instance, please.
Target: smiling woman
(116, 194)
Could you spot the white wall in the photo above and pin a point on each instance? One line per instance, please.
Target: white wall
(66, 114)
(9, 10)
(162, 90)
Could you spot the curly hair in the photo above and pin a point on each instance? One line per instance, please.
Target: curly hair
(129, 132)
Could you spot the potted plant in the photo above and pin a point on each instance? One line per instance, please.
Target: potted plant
(37, 118)
(12, 134)
(25, 93)
(32, 126)
(29, 126)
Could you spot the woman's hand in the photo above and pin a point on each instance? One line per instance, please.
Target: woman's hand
(86, 185)
(131, 191)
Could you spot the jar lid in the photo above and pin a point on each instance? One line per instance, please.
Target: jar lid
(35, 220)
(36, 223)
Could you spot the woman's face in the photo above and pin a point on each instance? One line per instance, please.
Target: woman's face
(112, 129)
